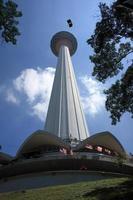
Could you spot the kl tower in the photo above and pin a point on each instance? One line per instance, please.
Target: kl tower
(65, 117)
(64, 146)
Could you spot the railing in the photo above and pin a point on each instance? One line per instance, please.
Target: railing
(75, 155)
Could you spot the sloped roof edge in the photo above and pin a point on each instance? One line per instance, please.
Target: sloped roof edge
(40, 137)
(5, 157)
(105, 139)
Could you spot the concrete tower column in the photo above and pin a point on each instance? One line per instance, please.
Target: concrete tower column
(65, 117)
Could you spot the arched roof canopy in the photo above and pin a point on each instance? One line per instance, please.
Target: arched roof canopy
(105, 139)
(5, 158)
(38, 139)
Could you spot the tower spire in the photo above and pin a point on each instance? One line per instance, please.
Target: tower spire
(65, 117)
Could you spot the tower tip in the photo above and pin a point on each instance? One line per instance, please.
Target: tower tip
(63, 38)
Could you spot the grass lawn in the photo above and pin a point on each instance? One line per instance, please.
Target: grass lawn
(108, 189)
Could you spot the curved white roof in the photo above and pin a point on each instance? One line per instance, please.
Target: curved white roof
(4, 158)
(105, 139)
(40, 138)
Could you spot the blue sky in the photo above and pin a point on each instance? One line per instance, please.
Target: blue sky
(27, 72)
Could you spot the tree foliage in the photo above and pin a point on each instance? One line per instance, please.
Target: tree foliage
(112, 42)
(8, 21)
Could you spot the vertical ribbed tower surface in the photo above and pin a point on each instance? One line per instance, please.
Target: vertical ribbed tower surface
(65, 117)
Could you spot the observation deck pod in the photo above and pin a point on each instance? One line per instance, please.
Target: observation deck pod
(63, 38)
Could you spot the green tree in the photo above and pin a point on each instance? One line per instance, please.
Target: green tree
(112, 43)
(8, 21)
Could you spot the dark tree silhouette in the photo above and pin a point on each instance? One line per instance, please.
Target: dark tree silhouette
(112, 43)
(8, 21)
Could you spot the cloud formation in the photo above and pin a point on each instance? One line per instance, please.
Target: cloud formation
(93, 99)
(10, 97)
(35, 85)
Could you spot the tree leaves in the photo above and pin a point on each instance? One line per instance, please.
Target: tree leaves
(8, 21)
(112, 42)
(120, 96)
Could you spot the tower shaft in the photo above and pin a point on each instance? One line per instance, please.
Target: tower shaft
(65, 116)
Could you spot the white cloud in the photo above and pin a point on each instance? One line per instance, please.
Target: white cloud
(10, 97)
(40, 109)
(93, 99)
(36, 85)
